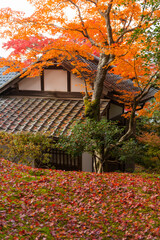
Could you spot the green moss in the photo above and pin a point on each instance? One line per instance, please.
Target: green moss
(91, 109)
(37, 173)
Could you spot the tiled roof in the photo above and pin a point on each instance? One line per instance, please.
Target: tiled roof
(112, 83)
(150, 94)
(90, 64)
(4, 79)
(40, 114)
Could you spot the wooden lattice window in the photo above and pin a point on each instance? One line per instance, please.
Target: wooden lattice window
(62, 161)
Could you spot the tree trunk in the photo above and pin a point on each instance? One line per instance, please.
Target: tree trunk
(92, 108)
(131, 126)
(100, 76)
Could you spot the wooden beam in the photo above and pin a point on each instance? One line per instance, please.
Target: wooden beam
(42, 81)
(55, 67)
(55, 94)
(68, 81)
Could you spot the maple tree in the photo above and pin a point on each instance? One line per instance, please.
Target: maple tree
(122, 33)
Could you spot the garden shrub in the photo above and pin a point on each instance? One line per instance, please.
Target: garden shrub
(99, 138)
(26, 147)
(127, 153)
(102, 137)
(148, 136)
(89, 136)
(151, 151)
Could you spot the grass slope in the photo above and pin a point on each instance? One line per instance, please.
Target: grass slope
(49, 204)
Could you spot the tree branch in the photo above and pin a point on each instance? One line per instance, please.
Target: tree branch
(126, 30)
(108, 23)
(94, 2)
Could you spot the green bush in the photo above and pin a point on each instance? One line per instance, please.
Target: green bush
(146, 155)
(95, 137)
(148, 135)
(150, 158)
(129, 151)
(90, 136)
(127, 154)
(25, 147)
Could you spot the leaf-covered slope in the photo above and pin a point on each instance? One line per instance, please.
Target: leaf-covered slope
(50, 204)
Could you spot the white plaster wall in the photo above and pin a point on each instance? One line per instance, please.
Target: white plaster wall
(77, 84)
(30, 84)
(86, 162)
(55, 80)
(115, 110)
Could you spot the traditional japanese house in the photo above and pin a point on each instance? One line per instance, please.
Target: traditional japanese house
(52, 101)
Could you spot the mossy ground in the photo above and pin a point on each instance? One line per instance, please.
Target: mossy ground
(50, 204)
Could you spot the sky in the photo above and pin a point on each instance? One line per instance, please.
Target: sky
(20, 5)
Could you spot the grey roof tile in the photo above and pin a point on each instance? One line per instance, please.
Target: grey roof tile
(7, 77)
(40, 114)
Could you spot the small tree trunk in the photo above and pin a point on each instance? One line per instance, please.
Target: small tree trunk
(131, 126)
(98, 163)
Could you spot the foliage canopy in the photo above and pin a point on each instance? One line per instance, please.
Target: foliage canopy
(121, 33)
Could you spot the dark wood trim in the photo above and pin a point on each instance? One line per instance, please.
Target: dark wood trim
(123, 108)
(42, 81)
(56, 94)
(105, 110)
(80, 162)
(108, 108)
(68, 81)
(117, 103)
(16, 86)
(55, 67)
(64, 161)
